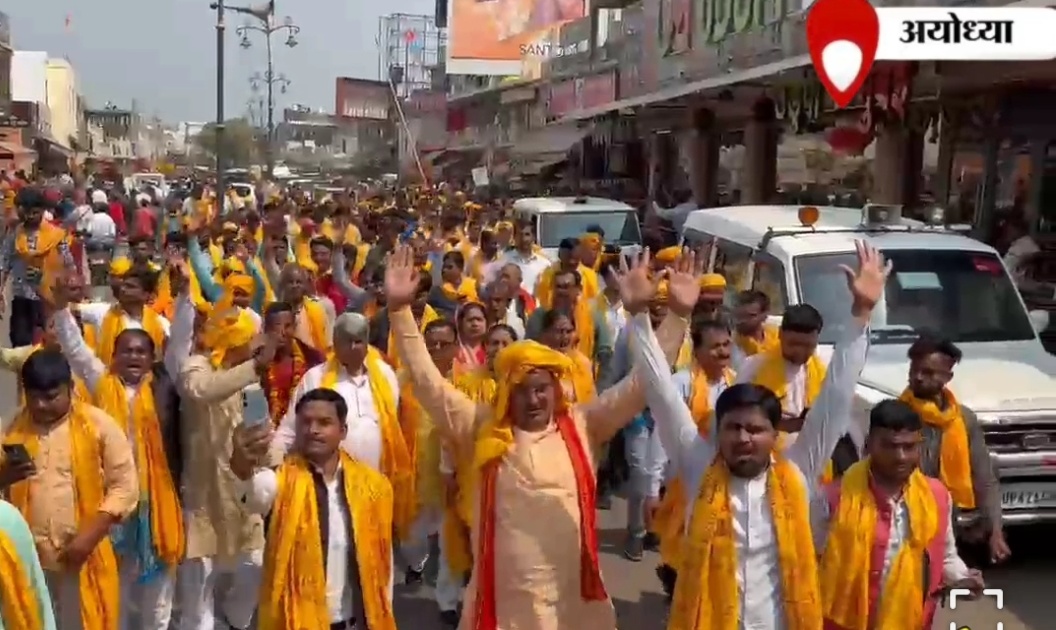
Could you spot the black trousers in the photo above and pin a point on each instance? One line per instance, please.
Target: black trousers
(26, 317)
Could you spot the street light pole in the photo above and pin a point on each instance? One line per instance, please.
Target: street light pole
(218, 133)
(267, 29)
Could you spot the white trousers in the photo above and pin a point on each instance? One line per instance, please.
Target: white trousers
(448, 587)
(146, 606)
(198, 585)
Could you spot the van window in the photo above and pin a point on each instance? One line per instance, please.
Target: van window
(621, 227)
(731, 259)
(769, 277)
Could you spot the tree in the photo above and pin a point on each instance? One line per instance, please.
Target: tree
(240, 143)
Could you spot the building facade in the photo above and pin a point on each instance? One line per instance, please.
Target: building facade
(64, 103)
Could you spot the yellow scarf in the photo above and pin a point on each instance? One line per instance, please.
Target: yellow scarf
(269, 293)
(466, 291)
(99, 585)
(955, 463)
(316, 315)
(480, 387)
(752, 346)
(670, 517)
(706, 593)
(293, 592)
(584, 316)
(44, 257)
(140, 423)
(845, 564)
(772, 375)
(113, 324)
(19, 603)
(588, 278)
(429, 315)
(216, 254)
(581, 377)
(423, 446)
(395, 457)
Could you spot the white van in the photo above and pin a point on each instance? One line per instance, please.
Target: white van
(943, 281)
(558, 218)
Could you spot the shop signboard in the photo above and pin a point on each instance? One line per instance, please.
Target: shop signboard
(562, 99)
(597, 90)
(632, 61)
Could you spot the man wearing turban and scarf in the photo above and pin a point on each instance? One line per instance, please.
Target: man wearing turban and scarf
(532, 482)
(221, 537)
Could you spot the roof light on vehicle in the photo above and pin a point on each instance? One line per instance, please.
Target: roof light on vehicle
(808, 216)
(935, 216)
(881, 214)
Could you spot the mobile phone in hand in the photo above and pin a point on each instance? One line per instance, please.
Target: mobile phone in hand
(254, 406)
(16, 453)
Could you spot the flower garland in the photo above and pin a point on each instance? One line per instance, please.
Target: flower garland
(279, 397)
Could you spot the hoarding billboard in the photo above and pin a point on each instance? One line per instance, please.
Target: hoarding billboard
(494, 37)
(362, 98)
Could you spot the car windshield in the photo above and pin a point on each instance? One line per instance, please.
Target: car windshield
(620, 226)
(966, 296)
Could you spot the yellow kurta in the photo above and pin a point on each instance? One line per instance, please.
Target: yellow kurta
(537, 517)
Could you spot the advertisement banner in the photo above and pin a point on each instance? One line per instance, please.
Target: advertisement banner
(497, 37)
(362, 98)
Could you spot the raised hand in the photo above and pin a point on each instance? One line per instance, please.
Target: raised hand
(683, 284)
(401, 277)
(637, 288)
(867, 283)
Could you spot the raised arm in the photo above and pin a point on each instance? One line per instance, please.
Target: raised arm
(452, 411)
(82, 359)
(201, 267)
(830, 417)
(182, 337)
(260, 292)
(201, 384)
(355, 295)
(616, 407)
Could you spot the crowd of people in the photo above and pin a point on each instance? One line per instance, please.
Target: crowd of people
(289, 402)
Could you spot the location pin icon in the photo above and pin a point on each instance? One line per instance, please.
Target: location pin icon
(842, 36)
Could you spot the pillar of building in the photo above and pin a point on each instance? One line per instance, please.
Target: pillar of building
(897, 166)
(759, 184)
(704, 158)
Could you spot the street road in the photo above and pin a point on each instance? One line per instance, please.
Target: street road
(1028, 580)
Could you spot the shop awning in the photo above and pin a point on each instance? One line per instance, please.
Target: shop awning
(550, 140)
(685, 89)
(537, 163)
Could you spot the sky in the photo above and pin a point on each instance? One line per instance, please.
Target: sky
(162, 53)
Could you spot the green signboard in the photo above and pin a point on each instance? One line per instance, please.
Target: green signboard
(718, 19)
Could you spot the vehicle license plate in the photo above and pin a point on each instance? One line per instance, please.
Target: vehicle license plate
(1028, 498)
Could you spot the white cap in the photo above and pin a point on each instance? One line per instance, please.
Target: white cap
(98, 196)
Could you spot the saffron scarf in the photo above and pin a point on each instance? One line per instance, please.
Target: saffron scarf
(669, 521)
(316, 316)
(293, 591)
(20, 604)
(955, 462)
(113, 324)
(494, 440)
(44, 256)
(429, 315)
(706, 592)
(155, 532)
(751, 346)
(395, 458)
(584, 320)
(772, 374)
(466, 291)
(99, 587)
(845, 564)
(581, 378)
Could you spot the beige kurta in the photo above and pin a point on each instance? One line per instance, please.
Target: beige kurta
(537, 540)
(211, 405)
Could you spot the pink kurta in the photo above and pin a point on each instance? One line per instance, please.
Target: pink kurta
(537, 536)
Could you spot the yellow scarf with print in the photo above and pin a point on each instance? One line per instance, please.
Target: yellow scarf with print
(140, 423)
(293, 591)
(845, 564)
(428, 315)
(670, 517)
(395, 457)
(20, 604)
(113, 324)
(706, 593)
(751, 346)
(955, 462)
(99, 586)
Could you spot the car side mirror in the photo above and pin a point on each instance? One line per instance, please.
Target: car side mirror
(1039, 320)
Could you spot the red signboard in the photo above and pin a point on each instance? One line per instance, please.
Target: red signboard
(562, 99)
(362, 98)
(597, 90)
